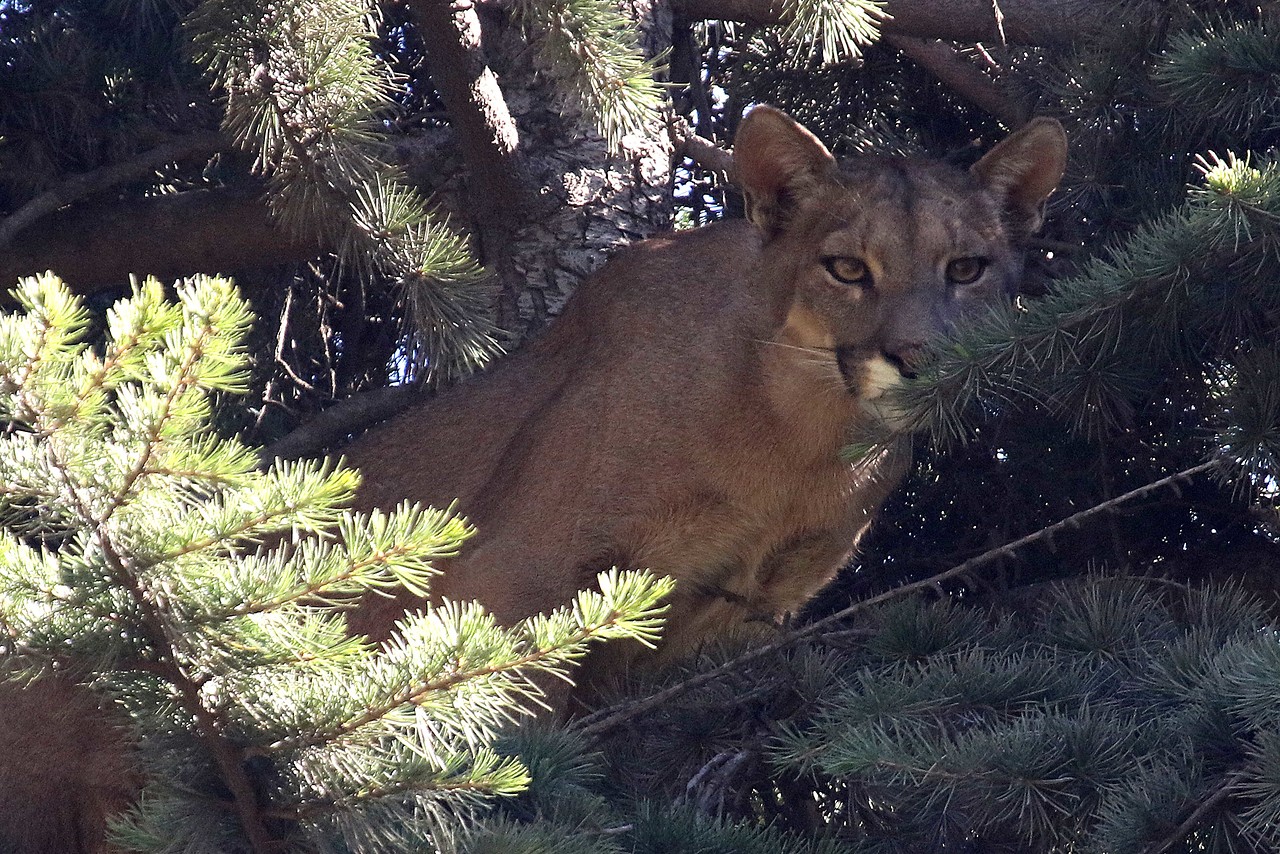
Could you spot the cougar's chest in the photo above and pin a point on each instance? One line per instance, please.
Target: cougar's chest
(798, 522)
(778, 535)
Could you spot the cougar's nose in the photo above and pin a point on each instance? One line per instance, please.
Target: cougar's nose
(905, 356)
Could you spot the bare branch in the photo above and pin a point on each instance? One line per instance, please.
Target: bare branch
(97, 246)
(999, 16)
(487, 134)
(960, 76)
(699, 149)
(341, 420)
(88, 183)
(1027, 22)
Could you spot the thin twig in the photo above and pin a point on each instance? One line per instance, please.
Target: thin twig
(598, 723)
(283, 337)
(990, 61)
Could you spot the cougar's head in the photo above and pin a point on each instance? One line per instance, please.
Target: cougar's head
(880, 254)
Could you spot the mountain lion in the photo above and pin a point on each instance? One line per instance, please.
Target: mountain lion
(685, 414)
(687, 411)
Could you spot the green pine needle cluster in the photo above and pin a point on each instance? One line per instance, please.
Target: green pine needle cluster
(595, 54)
(1228, 76)
(1100, 719)
(304, 92)
(831, 30)
(132, 556)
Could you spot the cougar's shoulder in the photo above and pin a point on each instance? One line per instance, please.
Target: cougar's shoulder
(659, 311)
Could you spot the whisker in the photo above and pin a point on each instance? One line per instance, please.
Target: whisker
(814, 350)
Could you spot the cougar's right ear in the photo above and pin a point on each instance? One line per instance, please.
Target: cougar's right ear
(1025, 168)
(775, 159)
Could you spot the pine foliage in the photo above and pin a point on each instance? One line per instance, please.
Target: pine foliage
(593, 53)
(1097, 720)
(304, 93)
(831, 32)
(1224, 76)
(132, 551)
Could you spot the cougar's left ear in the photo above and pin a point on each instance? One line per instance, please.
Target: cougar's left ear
(775, 160)
(1025, 168)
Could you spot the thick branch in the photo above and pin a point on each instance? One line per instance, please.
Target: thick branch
(699, 149)
(88, 183)
(207, 231)
(487, 135)
(1030, 22)
(960, 76)
(341, 420)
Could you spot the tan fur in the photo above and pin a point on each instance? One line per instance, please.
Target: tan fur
(687, 412)
(64, 769)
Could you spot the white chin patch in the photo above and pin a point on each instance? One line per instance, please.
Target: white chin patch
(878, 376)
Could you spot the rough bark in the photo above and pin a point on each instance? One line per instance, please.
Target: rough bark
(1028, 22)
(591, 201)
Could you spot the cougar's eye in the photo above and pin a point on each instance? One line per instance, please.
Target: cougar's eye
(851, 271)
(965, 271)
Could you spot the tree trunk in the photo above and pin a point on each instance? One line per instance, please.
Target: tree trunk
(587, 200)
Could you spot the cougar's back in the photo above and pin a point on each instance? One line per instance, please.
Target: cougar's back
(687, 412)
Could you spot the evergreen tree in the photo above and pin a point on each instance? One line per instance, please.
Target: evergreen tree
(1094, 500)
(128, 560)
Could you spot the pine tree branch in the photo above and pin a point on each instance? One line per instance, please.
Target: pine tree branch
(960, 76)
(605, 720)
(488, 139)
(1027, 22)
(317, 807)
(415, 690)
(154, 625)
(697, 148)
(97, 246)
(79, 186)
(185, 381)
(229, 759)
(315, 590)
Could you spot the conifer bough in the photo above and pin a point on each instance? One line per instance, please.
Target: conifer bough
(128, 558)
